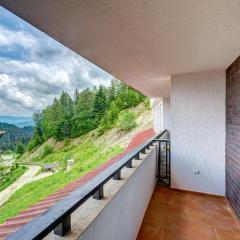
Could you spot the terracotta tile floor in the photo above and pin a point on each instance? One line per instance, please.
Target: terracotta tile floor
(173, 215)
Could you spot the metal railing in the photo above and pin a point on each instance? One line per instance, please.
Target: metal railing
(58, 217)
(164, 161)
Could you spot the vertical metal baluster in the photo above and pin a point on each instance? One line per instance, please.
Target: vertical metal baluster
(169, 162)
(159, 161)
(99, 193)
(166, 153)
(129, 164)
(64, 227)
(117, 176)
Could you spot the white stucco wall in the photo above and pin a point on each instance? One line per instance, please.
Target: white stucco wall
(166, 113)
(121, 218)
(161, 114)
(198, 132)
(157, 113)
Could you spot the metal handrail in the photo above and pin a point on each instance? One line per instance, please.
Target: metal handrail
(58, 217)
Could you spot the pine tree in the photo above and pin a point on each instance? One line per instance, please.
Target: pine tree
(76, 96)
(20, 149)
(90, 109)
(38, 131)
(83, 121)
(100, 104)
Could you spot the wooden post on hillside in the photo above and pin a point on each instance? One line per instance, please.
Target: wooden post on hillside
(1, 134)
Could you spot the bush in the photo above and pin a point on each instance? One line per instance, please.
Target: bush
(30, 146)
(66, 142)
(20, 149)
(109, 119)
(126, 121)
(47, 149)
(8, 152)
(101, 129)
(147, 103)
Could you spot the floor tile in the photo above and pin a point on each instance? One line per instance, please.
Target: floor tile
(174, 215)
(180, 234)
(222, 221)
(200, 231)
(226, 234)
(151, 232)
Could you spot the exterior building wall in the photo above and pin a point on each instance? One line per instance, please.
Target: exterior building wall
(233, 135)
(161, 114)
(166, 113)
(157, 113)
(198, 132)
(122, 217)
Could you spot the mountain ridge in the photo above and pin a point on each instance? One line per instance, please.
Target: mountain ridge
(14, 135)
(19, 121)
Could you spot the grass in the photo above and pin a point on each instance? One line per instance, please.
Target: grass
(12, 177)
(87, 156)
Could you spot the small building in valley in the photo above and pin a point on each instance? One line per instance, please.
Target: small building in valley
(2, 133)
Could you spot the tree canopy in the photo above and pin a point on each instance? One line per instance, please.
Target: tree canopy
(88, 109)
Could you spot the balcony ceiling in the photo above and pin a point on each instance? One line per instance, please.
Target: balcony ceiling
(141, 42)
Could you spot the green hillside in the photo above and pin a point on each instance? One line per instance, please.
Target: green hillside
(89, 129)
(88, 151)
(14, 136)
(89, 158)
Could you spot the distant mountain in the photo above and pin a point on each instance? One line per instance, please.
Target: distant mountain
(14, 135)
(17, 121)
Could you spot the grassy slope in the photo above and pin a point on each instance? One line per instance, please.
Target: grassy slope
(13, 176)
(87, 155)
(88, 152)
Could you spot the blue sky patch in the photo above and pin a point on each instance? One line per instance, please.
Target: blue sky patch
(35, 68)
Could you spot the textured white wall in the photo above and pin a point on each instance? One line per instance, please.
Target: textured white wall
(166, 113)
(161, 114)
(198, 132)
(157, 113)
(122, 217)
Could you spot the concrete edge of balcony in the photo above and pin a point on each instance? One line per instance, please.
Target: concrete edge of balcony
(85, 216)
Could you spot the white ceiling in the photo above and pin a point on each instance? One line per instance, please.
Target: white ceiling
(142, 42)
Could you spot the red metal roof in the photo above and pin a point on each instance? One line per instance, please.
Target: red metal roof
(14, 223)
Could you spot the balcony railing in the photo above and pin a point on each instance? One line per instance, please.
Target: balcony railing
(58, 218)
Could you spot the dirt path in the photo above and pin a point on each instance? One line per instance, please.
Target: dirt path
(25, 178)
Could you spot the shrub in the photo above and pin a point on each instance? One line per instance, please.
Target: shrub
(126, 121)
(20, 149)
(8, 152)
(47, 149)
(147, 103)
(109, 119)
(66, 142)
(30, 146)
(101, 129)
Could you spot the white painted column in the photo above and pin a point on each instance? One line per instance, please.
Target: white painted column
(161, 114)
(157, 112)
(166, 113)
(198, 132)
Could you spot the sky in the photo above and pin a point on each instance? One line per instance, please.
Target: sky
(34, 68)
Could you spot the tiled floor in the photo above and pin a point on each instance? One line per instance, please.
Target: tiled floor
(173, 215)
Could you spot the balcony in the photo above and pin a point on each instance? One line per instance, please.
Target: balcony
(185, 57)
(120, 205)
(125, 185)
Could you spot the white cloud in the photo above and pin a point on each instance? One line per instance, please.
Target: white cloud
(22, 38)
(31, 83)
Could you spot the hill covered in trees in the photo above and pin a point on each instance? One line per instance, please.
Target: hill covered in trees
(15, 136)
(17, 121)
(99, 108)
(93, 126)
